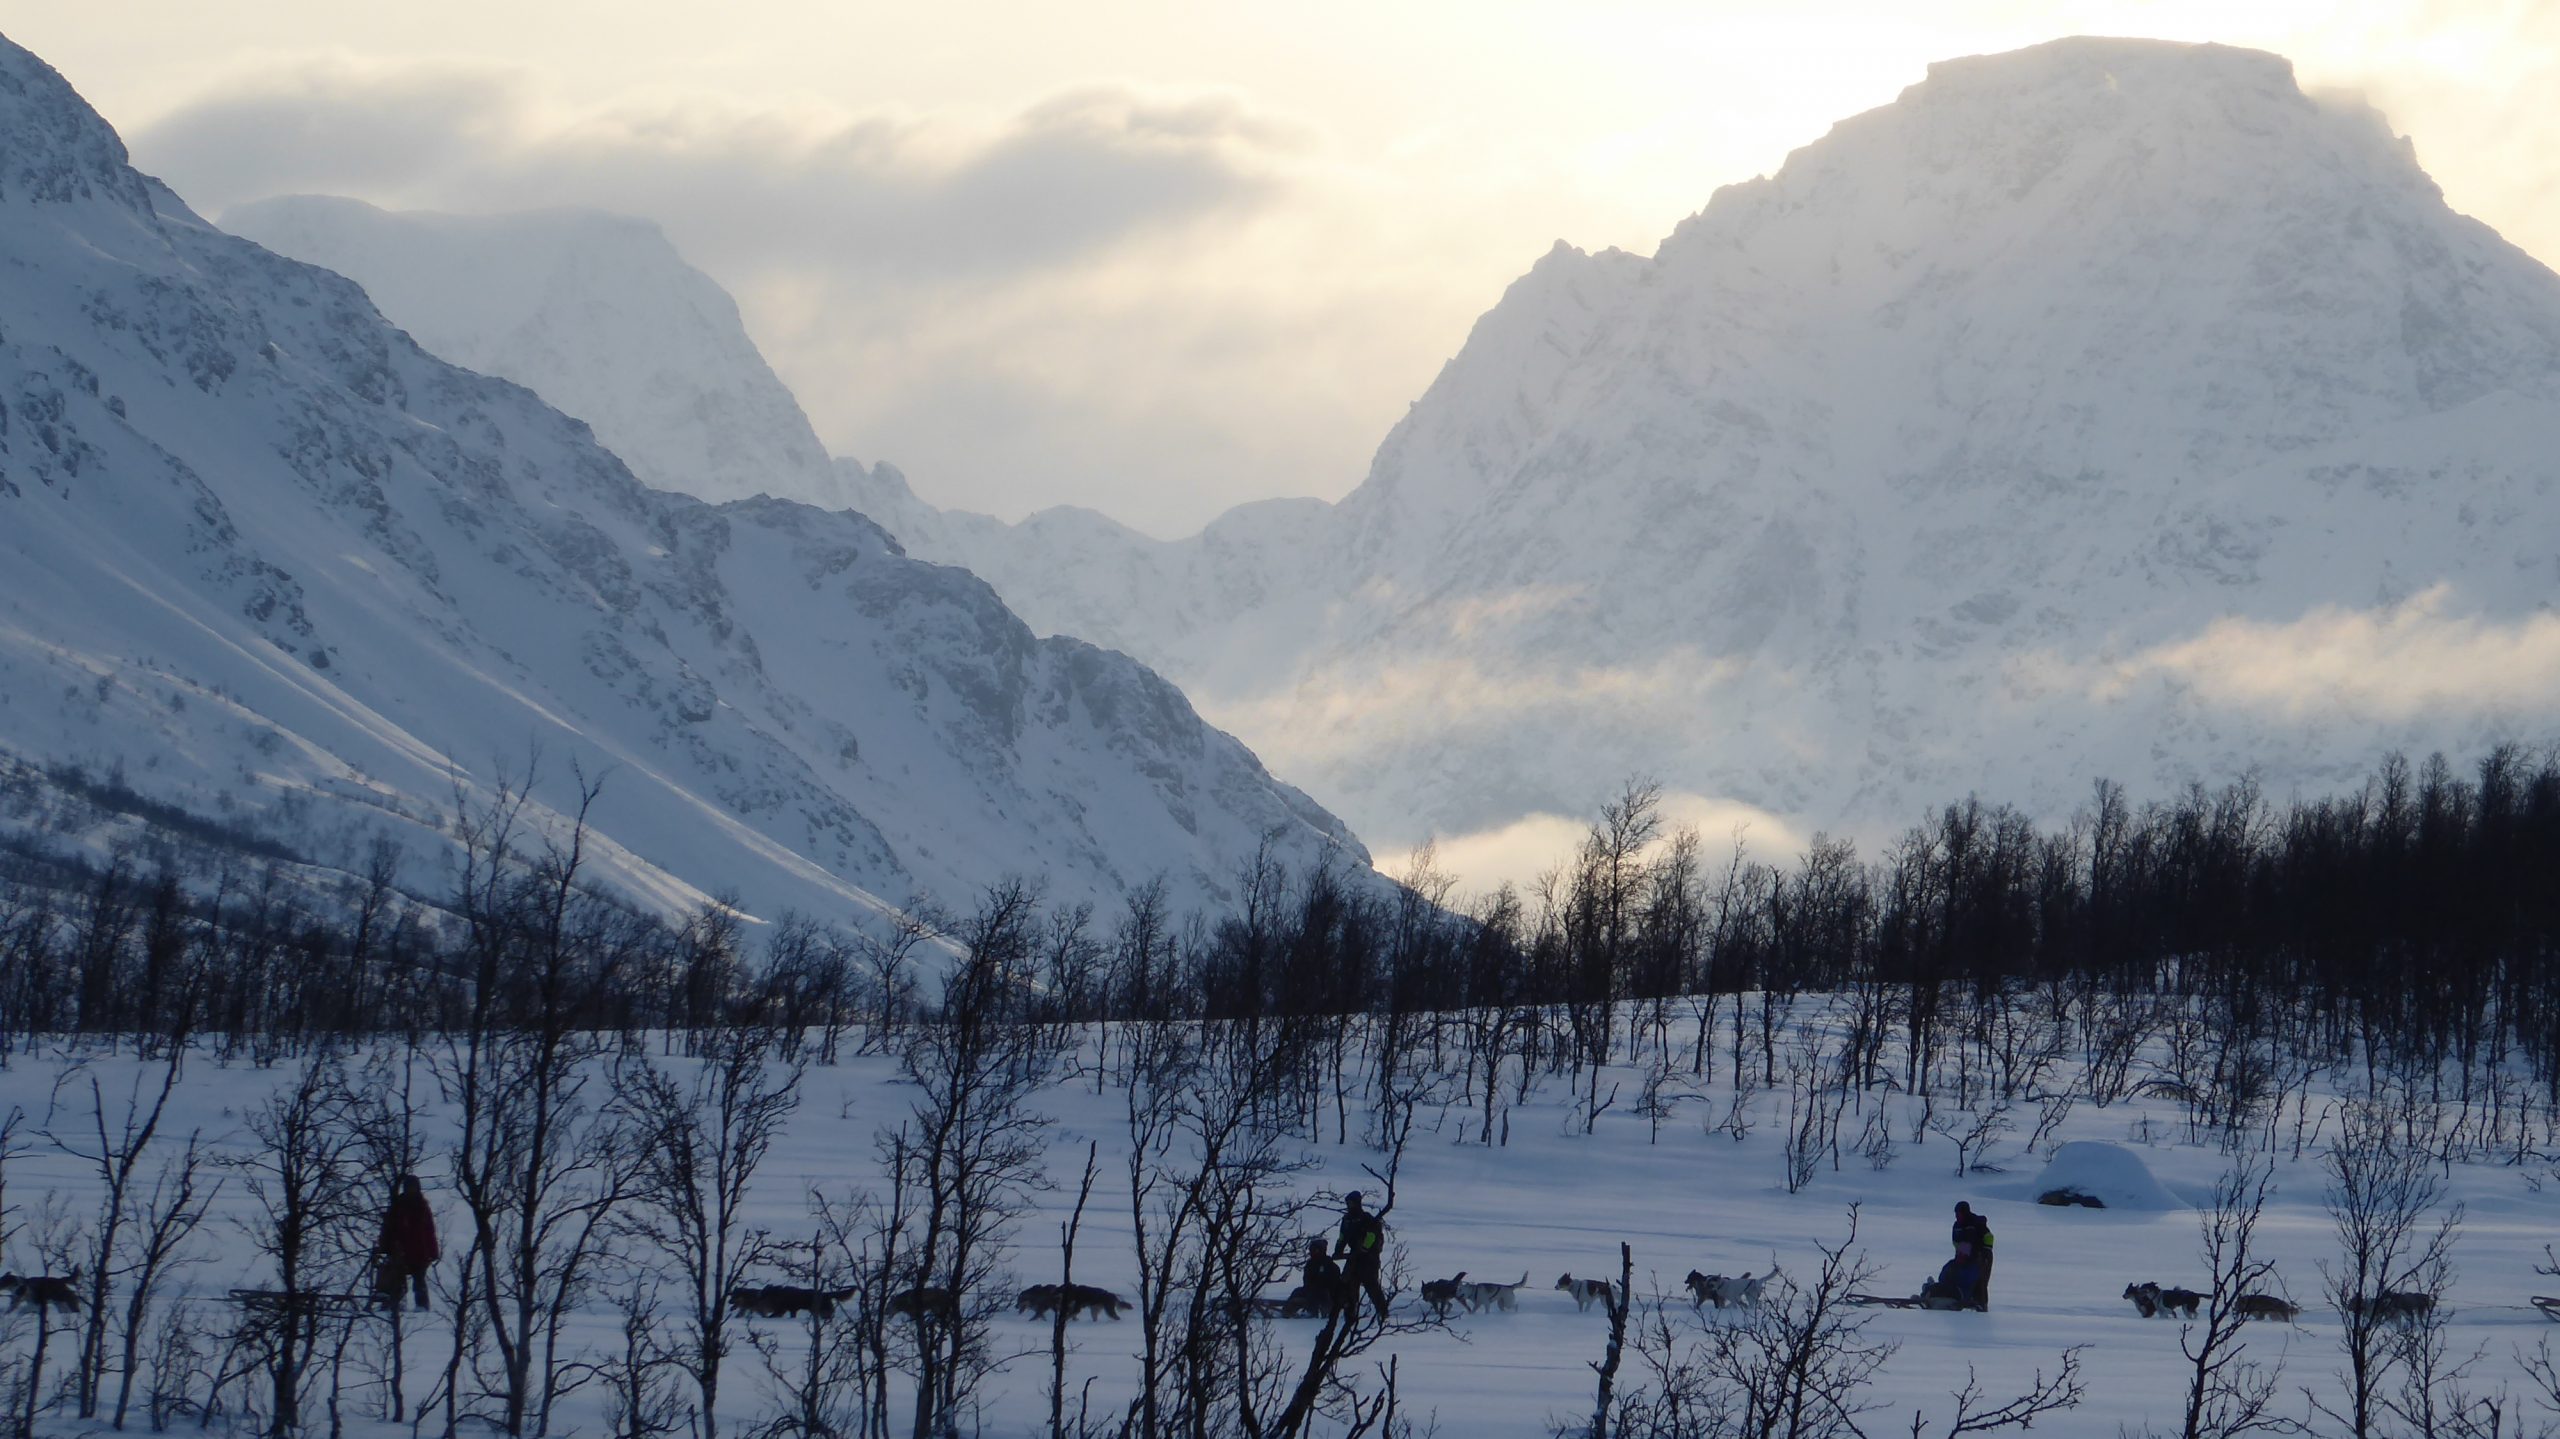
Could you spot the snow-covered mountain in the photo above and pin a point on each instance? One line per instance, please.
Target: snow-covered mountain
(1922, 467)
(264, 559)
(597, 312)
(2104, 408)
(2109, 407)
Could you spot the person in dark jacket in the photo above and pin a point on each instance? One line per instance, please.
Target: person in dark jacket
(1321, 1279)
(408, 1247)
(1361, 1246)
(1972, 1235)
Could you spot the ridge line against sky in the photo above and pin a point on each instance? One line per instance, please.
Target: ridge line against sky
(1150, 258)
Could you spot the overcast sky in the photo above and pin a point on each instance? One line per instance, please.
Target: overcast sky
(1154, 258)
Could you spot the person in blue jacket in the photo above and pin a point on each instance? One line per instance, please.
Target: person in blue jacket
(1972, 1235)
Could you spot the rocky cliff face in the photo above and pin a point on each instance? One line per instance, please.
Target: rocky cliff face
(264, 559)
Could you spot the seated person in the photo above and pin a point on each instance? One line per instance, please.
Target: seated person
(1957, 1280)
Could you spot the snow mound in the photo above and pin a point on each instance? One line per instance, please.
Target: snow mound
(2110, 1173)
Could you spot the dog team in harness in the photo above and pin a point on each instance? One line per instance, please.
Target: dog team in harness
(1333, 1278)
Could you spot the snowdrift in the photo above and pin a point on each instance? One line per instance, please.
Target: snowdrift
(2110, 1173)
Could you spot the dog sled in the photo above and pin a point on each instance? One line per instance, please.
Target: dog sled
(2548, 1306)
(1928, 1299)
(278, 1303)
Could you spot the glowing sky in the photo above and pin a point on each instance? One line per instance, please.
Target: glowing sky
(1154, 258)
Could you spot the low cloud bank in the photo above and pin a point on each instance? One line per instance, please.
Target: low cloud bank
(1519, 852)
(2393, 662)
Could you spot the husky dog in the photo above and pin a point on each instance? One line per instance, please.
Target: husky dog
(781, 1301)
(1485, 1294)
(1439, 1294)
(2265, 1306)
(1079, 1299)
(2393, 1304)
(925, 1299)
(1740, 1291)
(1587, 1292)
(44, 1291)
(1039, 1301)
(2150, 1299)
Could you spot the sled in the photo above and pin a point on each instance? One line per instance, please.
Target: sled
(1906, 1301)
(2549, 1306)
(278, 1302)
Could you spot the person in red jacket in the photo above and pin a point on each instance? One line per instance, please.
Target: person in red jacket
(408, 1245)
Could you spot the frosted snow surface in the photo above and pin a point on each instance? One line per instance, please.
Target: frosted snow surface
(263, 558)
(2109, 1173)
(1551, 1200)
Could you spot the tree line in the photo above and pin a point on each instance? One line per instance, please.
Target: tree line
(604, 1085)
(2411, 918)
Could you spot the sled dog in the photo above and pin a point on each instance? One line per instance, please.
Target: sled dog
(44, 1291)
(1587, 1292)
(1439, 1294)
(2393, 1304)
(2150, 1299)
(1738, 1291)
(1079, 1299)
(781, 1301)
(926, 1299)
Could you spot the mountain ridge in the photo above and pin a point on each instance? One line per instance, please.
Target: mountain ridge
(1922, 465)
(272, 562)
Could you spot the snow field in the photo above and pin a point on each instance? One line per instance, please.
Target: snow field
(1552, 1201)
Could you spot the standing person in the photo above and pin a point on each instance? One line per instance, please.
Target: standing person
(408, 1245)
(1972, 1236)
(1361, 1245)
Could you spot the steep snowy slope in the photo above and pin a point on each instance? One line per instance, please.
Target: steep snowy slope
(2104, 408)
(596, 312)
(263, 558)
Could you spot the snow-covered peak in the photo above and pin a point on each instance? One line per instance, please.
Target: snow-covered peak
(596, 312)
(59, 151)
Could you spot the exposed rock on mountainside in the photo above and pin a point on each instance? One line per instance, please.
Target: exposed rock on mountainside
(264, 559)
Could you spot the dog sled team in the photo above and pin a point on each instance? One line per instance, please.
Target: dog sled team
(1334, 1278)
(1331, 1280)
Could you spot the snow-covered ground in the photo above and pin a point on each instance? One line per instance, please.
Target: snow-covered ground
(1552, 1200)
